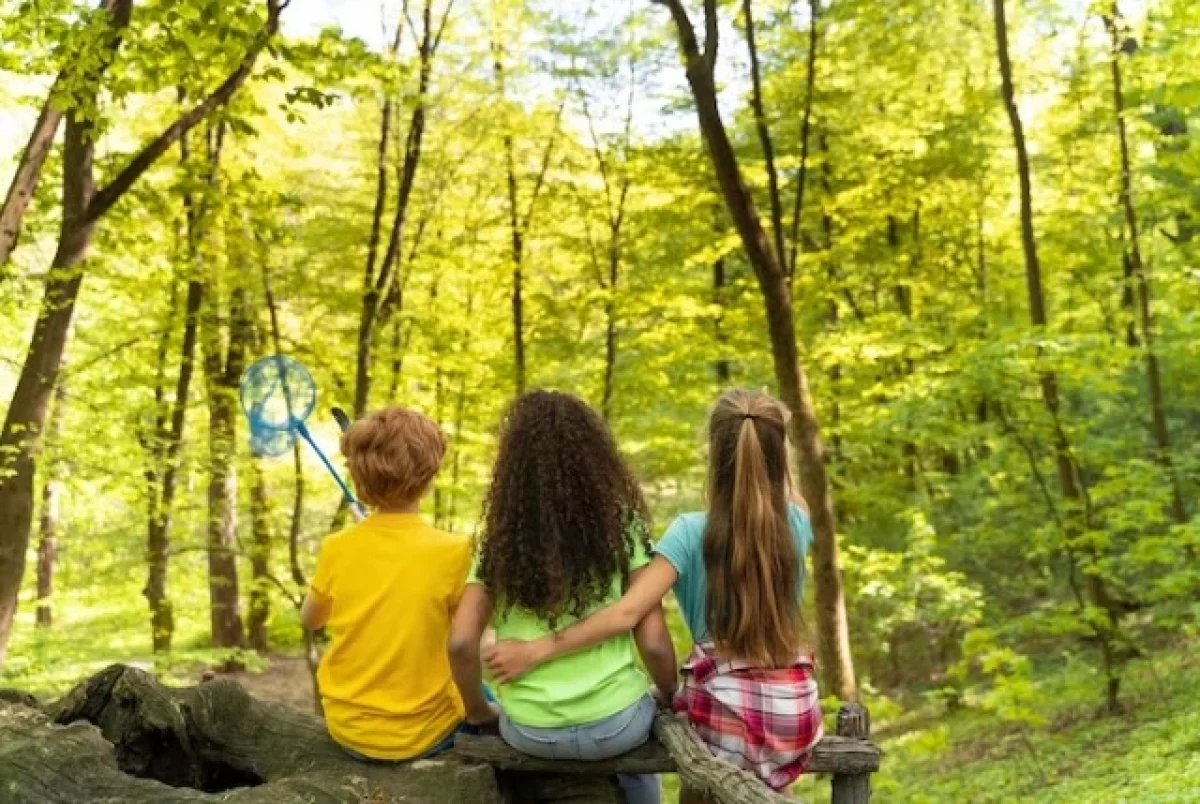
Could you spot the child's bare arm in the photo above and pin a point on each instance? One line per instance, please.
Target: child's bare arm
(314, 613)
(657, 652)
(470, 621)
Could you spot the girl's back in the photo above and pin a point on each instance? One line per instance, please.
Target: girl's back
(683, 546)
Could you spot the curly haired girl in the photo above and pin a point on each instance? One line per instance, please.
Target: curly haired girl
(565, 534)
(738, 571)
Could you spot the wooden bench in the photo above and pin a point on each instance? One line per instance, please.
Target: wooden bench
(848, 757)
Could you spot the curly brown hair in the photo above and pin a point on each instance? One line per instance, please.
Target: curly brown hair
(563, 511)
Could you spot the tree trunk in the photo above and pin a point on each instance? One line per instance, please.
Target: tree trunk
(721, 365)
(27, 411)
(1105, 630)
(25, 180)
(130, 739)
(1136, 269)
(833, 628)
(29, 170)
(379, 287)
(223, 368)
(51, 525)
(610, 326)
(260, 559)
(517, 258)
(83, 205)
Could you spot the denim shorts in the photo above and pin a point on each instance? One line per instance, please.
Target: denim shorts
(602, 739)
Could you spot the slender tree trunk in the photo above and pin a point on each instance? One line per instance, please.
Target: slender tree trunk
(312, 655)
(519, 226)
(260, 559)
(1135, 268)
(518, 259)
(764, 136)
(165, 454)
(833, 628)
(610, 323)
(83, 205)
(51, 525)
(379, 286)
(29, 173)
(362, 375)
(810, 79)
(721, 365)
(41, 139)
(1106, 629)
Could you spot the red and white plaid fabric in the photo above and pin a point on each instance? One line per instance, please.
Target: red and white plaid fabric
(764, 721)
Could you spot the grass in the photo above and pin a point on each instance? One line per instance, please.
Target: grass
(1150, 754)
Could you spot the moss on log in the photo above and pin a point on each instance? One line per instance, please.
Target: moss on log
(122, 737)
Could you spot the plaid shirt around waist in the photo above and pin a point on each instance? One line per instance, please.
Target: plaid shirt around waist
(766, 721)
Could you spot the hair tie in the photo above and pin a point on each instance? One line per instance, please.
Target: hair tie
(749, 416)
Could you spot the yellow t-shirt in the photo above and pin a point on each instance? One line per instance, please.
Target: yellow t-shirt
(385, 681)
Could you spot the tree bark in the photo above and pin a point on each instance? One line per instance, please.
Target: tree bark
(764, 136)
(380, 290)
(1106, 629)
(83, 205)
(51, 525)
(519, 226)
(29, 173)
(223, 368)
(41, 139)
(833, 628)
(1136, 269)
(260, 559)
(121, 736)
(810, 79)
(721, 365)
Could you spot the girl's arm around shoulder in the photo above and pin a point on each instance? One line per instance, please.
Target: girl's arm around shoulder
(512, 659)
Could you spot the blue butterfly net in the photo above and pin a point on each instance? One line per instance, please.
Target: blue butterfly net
(278, 394)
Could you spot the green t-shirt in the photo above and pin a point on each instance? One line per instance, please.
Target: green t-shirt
(585, 686)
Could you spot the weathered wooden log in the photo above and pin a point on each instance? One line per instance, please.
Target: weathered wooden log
(130, 739)
(853, 725)
(835, 755)
(121, 736)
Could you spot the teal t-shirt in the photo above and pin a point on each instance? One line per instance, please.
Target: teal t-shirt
(683, 546)
(571, 690)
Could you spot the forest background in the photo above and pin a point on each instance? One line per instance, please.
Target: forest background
(958, 238)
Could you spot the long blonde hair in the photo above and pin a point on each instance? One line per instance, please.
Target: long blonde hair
(753, 607)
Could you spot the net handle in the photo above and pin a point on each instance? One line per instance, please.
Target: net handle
(356, 507)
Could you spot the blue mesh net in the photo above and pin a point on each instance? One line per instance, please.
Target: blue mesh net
(277, 394)
(271, 443)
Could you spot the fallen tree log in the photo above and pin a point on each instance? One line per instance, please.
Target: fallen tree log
(122, 737)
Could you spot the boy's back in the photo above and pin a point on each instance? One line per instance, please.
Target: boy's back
(393, 582)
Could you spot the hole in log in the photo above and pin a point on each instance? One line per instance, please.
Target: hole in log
(159, 755)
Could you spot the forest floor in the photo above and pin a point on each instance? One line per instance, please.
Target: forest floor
(1149, 754)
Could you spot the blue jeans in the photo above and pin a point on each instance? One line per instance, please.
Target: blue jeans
(603, 739)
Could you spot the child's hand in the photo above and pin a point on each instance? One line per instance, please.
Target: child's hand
(664, 698)
(509, 660)
(486, 716)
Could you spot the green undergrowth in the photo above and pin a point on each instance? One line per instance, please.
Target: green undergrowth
(1071, 752)
(1149, 754)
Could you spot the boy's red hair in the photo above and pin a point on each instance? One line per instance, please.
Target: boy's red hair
(393, 455)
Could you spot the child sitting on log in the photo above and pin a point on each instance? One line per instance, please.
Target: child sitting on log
(738, 572)
(386, 589)
(565, 533)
